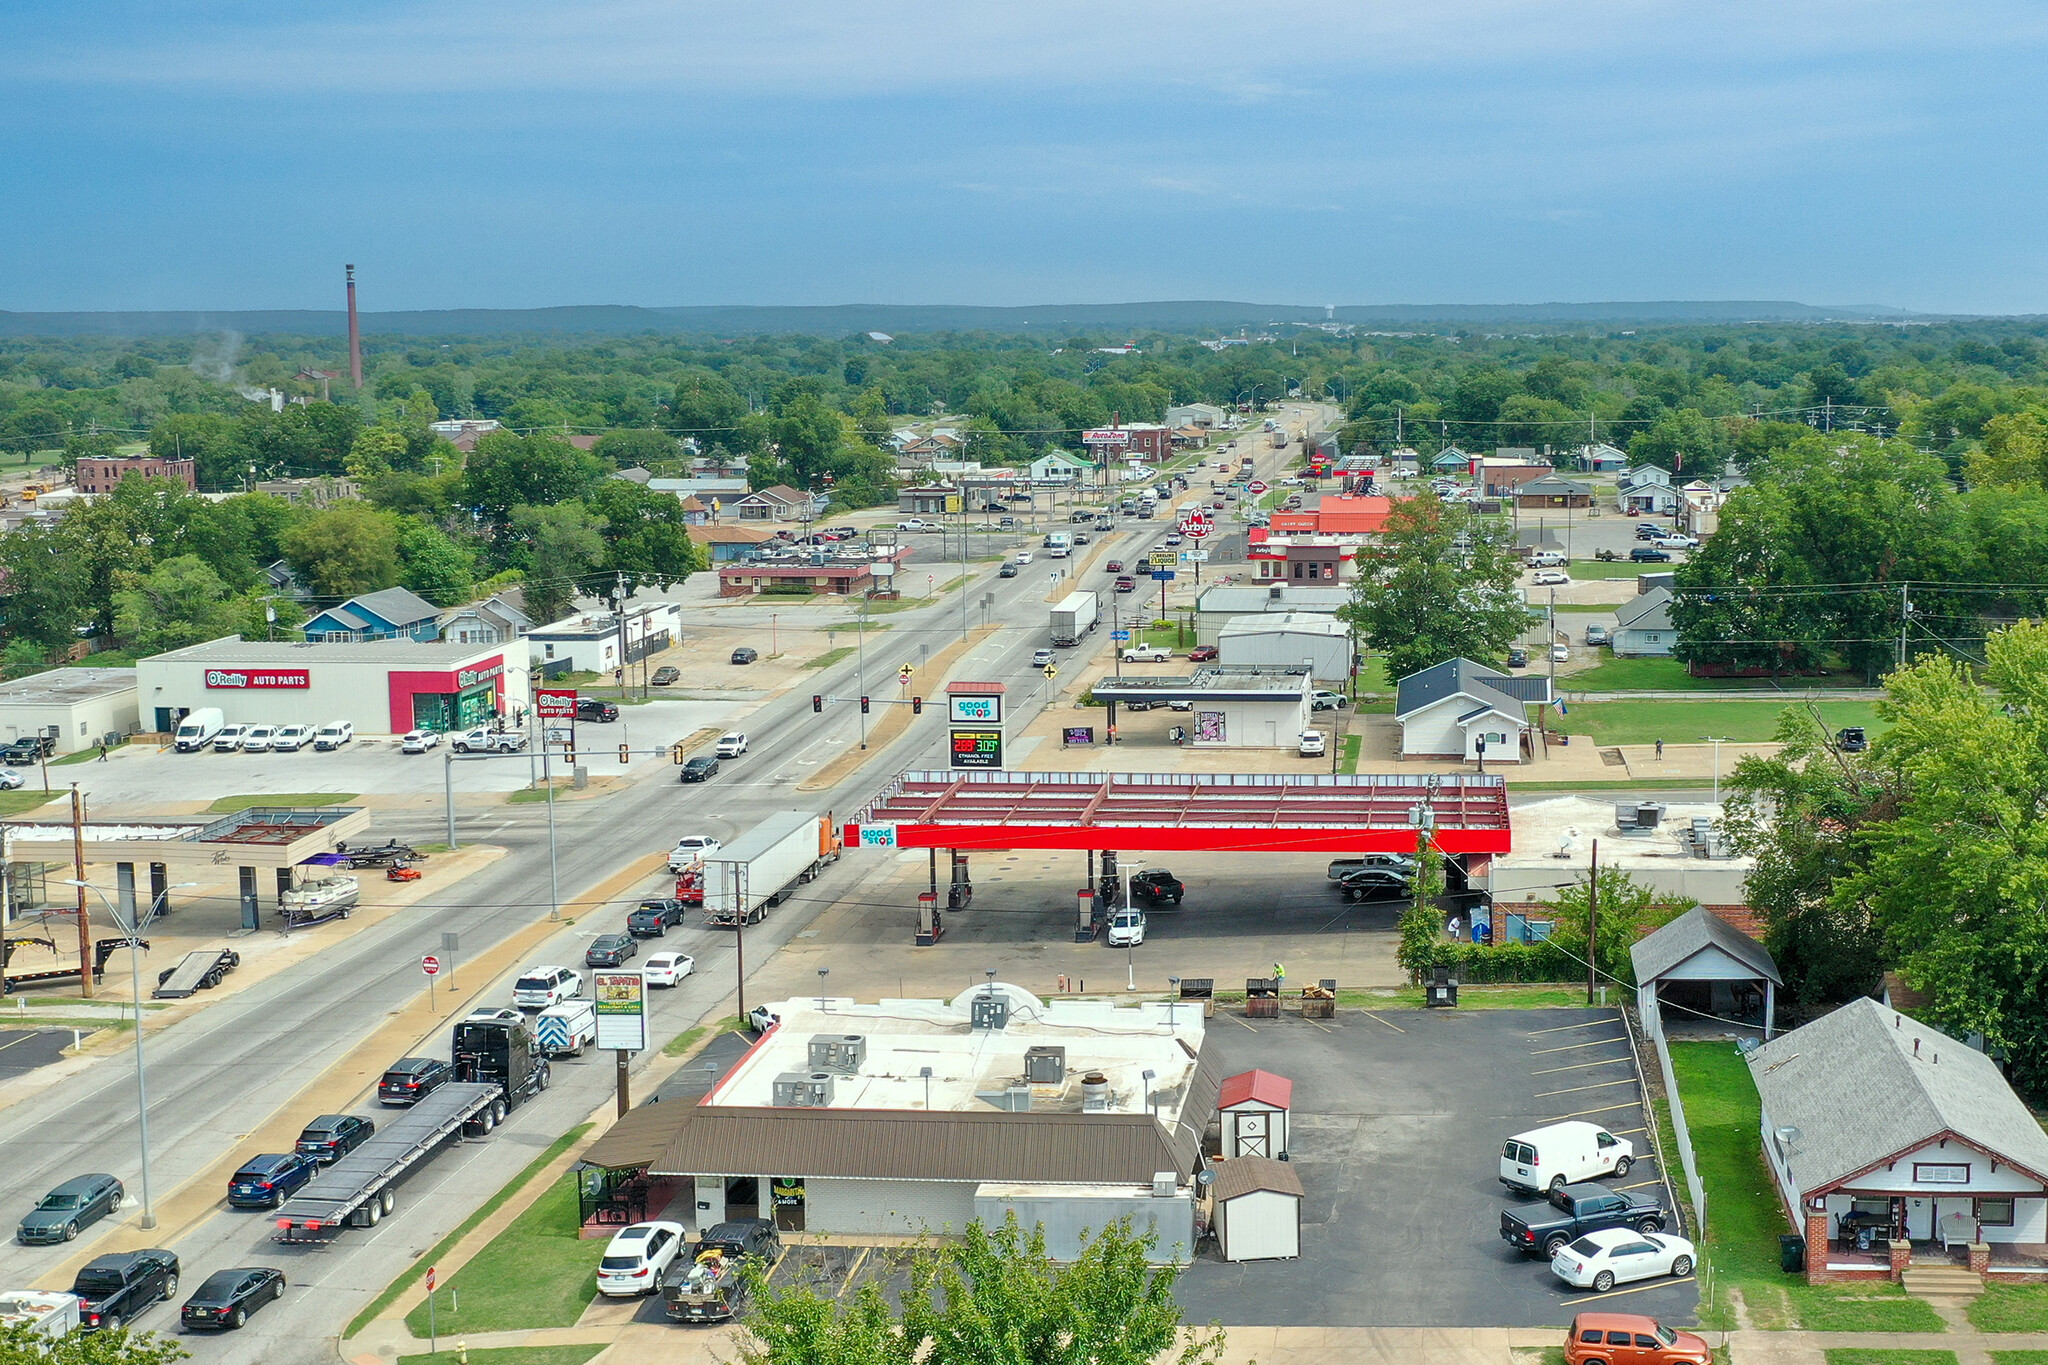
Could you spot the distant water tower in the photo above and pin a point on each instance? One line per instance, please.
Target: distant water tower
(1329, 312)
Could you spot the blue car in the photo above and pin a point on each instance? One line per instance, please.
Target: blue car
(266, 1181)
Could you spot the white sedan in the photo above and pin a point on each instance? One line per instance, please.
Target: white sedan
(633, 1262)
(666, 969)
(419, 741)
(1601, 1260)
(1549, 576)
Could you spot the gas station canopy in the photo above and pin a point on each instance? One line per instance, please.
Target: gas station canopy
(1185, 812)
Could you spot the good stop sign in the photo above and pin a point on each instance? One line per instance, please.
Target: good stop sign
(431, 965)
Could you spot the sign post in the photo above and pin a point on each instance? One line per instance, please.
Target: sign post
(433, 1332)
(621, 999)
(431, 965)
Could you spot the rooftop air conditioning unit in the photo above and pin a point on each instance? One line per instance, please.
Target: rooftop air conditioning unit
(989, 1010)
(1164, 1185)
(798, 1090)
(840, 1052)
(1045, 1065)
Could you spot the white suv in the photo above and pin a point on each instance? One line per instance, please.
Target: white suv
(539, 987)
(732, 744)
(632, 1264)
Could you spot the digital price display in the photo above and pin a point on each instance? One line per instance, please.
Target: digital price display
(977, 748)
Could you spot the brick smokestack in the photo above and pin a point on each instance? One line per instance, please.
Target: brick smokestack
(355, 336)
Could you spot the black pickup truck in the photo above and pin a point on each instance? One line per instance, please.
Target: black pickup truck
(1572, 1211)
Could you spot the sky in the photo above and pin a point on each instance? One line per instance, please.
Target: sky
(527, 153)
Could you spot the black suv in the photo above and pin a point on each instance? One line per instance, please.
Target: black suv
(1157, 885)
(700, 769)
(590, 708)
(1649, 554)
(112, 1289)
(412, 1079)
(610, 950)
(651, 919)
(333, 1136)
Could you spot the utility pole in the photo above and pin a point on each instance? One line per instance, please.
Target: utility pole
(1592, 921)
(84, 920)
(1905, 615)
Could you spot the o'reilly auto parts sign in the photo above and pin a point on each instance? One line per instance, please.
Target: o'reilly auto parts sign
(258, 677)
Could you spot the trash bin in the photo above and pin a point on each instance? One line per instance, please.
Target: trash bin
(1791, 1253)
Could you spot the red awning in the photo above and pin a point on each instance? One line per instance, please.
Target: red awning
(1184, 812)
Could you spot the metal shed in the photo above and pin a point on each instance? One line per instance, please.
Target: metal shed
(1252, 1107)
(1257, 1205)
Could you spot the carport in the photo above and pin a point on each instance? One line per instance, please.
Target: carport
(1099, 813)
(1704, 966)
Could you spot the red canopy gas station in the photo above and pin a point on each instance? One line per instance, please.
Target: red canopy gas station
(965, 811)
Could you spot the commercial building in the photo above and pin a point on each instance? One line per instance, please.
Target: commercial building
(1321, 543)
(96, 475)
(1675, 850)
(595, 642)
(911, 1116)
(1232, 708)
(382, 687)
(1217, 607)
(1278, 639)
(77, 706)
(842, 572)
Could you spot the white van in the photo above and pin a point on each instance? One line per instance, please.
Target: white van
(1563, 1154)
(566, 1029)
(197, 729)
(333, 735)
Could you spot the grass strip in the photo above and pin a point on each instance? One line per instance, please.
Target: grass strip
(2011, 1308)
(830, 657)
(1897, 1355)
(228, 805)
(509, 1355)
(690, 1037)
(408, 1278)
(538, 1272)
(17, 802)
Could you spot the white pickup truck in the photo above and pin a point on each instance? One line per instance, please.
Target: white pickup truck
(1147, 654)
(489, 742)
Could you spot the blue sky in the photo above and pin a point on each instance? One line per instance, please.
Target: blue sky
(509, 153)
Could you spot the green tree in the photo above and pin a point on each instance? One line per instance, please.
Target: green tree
(646, 537)
(89, 445)
(2015, 451)
(434, 565)
(347, 549)
(375, 453)
(43, 601)
(994, 1298)
(655, 450)
(1683, 441)
(507, 471)
(562, 547)
(211, 441)
(1438, 584)
(179, 602)
(1422, 922)
(22, 1343)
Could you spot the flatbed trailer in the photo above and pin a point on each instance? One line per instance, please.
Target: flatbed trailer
(201, 969)
(359, 1189)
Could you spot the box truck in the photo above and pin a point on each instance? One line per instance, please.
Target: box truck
(1074, 617)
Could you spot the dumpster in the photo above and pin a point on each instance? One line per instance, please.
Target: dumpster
(1202, 988)
(1791, 1253)
(1320, 1000)
(1261, 998)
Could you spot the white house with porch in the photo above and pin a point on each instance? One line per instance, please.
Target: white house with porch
(1900, 1146)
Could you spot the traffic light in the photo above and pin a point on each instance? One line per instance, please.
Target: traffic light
(917, 706)
(625, 755)
(818, 702)
(863, 705)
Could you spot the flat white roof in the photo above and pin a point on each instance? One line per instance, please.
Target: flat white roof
(235, 650)
(972, 1069)
(1572, 823)
(67, 686)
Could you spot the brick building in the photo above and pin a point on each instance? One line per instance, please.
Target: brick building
(102, 475)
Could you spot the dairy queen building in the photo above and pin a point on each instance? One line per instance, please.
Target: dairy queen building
(381, 687)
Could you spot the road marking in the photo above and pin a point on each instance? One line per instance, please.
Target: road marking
(852, 1271)
(1640, 1185)
(1632, 1104)
(25, 1038)
(1578, 1066)
(1617, 1293)
(1625, 1132)
(1597, 1085)
(1377, 1020)
(1568, 1047)
(1566, 1028)
(1248, 1026)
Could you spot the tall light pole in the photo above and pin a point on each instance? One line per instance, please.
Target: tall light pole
(134, 932)
(1717, 741)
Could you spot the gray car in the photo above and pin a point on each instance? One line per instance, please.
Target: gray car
(1597, 635)
(77, 1203)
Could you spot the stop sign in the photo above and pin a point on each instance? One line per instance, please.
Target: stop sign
(431, 965)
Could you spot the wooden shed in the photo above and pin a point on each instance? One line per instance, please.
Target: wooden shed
(1257, 1209)
(1252, 1108)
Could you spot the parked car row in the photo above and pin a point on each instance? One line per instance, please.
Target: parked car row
(1593, 1237)
(281, 739)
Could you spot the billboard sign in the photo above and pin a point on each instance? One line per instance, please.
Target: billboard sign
(1106, 436)
(621, 1010)
(555, 703)
(974, 710)
(253, 678)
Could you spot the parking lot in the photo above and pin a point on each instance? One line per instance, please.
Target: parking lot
(1396, 1134)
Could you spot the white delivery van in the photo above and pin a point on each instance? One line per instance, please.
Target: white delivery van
(566, 1029)
(198, 729)
(1563, 1154)
(333, 735)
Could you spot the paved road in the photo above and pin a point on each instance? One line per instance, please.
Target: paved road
(214, 1077)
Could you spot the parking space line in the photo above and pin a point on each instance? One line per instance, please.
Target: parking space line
(1608, 1109)
(779, 1262)
(1571, 1047)
(1377, 1020)
(1597, 1085)
(1640, 1184)
(1626, 1132)
(1580, 1066)
(1247, 1026)
(1566, 1028)
(1617, 1293)
(852, 1271)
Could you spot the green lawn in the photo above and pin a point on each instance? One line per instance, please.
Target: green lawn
(509, 1355)
(1614, 568)
(228, 805)
(536, 1273)
(830, 657)
(1688, 722)
(1348, 762)
(1865, 1355)
(2019, 1357)
(1744, 1220)
(1521, 997)
(14, 803)
(2012, 1308)
(1669, 675)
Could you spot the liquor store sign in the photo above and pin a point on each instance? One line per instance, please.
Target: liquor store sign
(258, 677)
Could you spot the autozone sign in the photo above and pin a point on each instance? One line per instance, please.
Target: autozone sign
(258, 677)
(1106, 436)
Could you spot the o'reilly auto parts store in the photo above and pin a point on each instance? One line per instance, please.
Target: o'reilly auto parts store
(382, 687)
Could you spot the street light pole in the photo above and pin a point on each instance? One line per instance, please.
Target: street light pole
(134, 931)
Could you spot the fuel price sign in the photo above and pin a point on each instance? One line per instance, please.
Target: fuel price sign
(977, 748)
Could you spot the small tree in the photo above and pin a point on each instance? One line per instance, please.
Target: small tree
(1422, 923)
(1628, 910)
(994, 1298)
(1437, 584)
(21, 1342)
